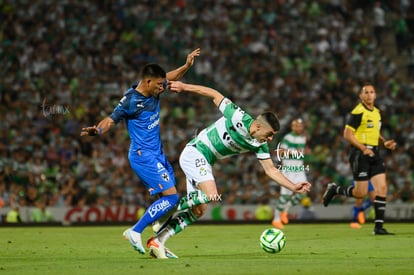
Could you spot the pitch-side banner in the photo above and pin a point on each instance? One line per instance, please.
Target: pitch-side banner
(218, 212)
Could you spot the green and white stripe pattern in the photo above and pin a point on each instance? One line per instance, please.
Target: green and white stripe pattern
(229, 135)
(295, 144)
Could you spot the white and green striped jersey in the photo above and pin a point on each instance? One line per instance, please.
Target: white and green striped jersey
(229, 135)
(295, 146)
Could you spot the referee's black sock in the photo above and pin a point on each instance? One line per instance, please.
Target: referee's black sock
(379, 206)
(345, 190)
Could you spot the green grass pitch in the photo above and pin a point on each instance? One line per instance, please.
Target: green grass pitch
(209, 249)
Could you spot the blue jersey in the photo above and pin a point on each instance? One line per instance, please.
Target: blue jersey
(142, 117)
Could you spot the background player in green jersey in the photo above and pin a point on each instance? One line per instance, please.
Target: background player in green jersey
(363, 132)
(234, 133)
(290, 153)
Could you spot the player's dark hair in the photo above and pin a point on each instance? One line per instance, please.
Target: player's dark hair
(367, 83)
(153, 70)
(298, 119)
(272, 119)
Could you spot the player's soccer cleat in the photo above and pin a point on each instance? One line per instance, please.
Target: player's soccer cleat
(382, 231)
(361, 217)
(355, 225)
(134, 239)
(157, 249)
(277, 224)
(284, 217)
(329, 193)
(168, 252)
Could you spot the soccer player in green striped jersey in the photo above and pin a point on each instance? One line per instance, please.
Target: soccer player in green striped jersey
(291, 154)
(234, 133)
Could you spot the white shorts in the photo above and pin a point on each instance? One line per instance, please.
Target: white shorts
(195, 167)
(294, 177)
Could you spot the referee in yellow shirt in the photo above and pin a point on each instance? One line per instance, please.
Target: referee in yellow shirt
(363, 132)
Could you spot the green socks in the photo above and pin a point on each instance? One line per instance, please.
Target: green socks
(177, 224)
(192, 199)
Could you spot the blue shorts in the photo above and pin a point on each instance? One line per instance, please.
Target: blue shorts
(155, 172)
(370, 186)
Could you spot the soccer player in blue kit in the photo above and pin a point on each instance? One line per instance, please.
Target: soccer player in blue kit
(140, 109)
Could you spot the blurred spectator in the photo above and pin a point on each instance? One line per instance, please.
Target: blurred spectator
(378, 22)
(13, 216)
(406, 193)
(41, 213)
(307, 212)
(402, 34)
(404, 7)
(263, 212)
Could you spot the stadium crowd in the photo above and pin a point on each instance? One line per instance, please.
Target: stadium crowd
(67, 63)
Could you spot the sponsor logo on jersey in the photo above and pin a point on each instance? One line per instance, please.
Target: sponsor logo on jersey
(161, 206)
(160, 166)
(154, 116)
(234, 145)
(203, 171)
(362, 174)
(370, 124)
(229, 142)
(154, 124)
(156, 120)
(122, 100)
(165, 177)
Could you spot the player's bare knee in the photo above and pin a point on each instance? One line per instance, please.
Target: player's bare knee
(356, 193)
(382, 192)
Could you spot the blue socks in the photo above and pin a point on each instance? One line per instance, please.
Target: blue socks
(355, 210)
(155, 211)
(367, 203)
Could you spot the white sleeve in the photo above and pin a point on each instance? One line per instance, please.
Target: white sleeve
(223, 104)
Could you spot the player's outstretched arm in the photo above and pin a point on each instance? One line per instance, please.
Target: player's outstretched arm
(99, 129)
(275, 174)
(180, 71)
(349, 135)
(178, 87)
